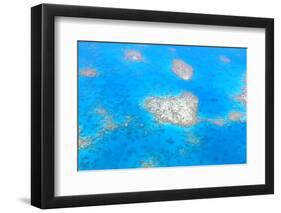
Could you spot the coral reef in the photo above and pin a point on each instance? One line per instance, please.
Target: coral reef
(192, 139)
(242, 97)
(180, 110)
(151, 106)
(218, 122)
(149, 163)
(235, 116)
(183, 151)
(182, 69)
(224, 59)
(133, 55)
(84, 142)
(89, 73)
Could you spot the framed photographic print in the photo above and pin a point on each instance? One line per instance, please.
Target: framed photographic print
(139, 106)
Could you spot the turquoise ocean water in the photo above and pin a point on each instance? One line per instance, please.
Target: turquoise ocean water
(117, 132)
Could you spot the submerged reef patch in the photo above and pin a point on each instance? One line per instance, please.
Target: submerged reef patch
(183, 151)
(235, 116)
(149, 163)
(89, 73)
(133, 55)
(215, 121)
(182, 69)
(84, 142)
(109, 124)
(242, 98)
(180, 110)
(192, 139)
(224, 59)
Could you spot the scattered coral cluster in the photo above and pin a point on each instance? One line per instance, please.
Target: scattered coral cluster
(107, 126)
(242, 98)
(84, 142)
(149, 163)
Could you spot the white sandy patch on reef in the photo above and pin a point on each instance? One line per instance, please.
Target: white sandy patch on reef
(180, 110)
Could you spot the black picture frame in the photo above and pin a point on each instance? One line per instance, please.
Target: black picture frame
(43, 102)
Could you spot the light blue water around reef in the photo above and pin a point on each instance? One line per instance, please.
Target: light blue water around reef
(116, 96)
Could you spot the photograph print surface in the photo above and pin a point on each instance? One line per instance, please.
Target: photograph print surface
(160, 105)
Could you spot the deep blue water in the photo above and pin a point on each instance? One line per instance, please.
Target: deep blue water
(119, 131)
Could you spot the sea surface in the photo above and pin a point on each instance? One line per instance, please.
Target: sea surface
(116, 129)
